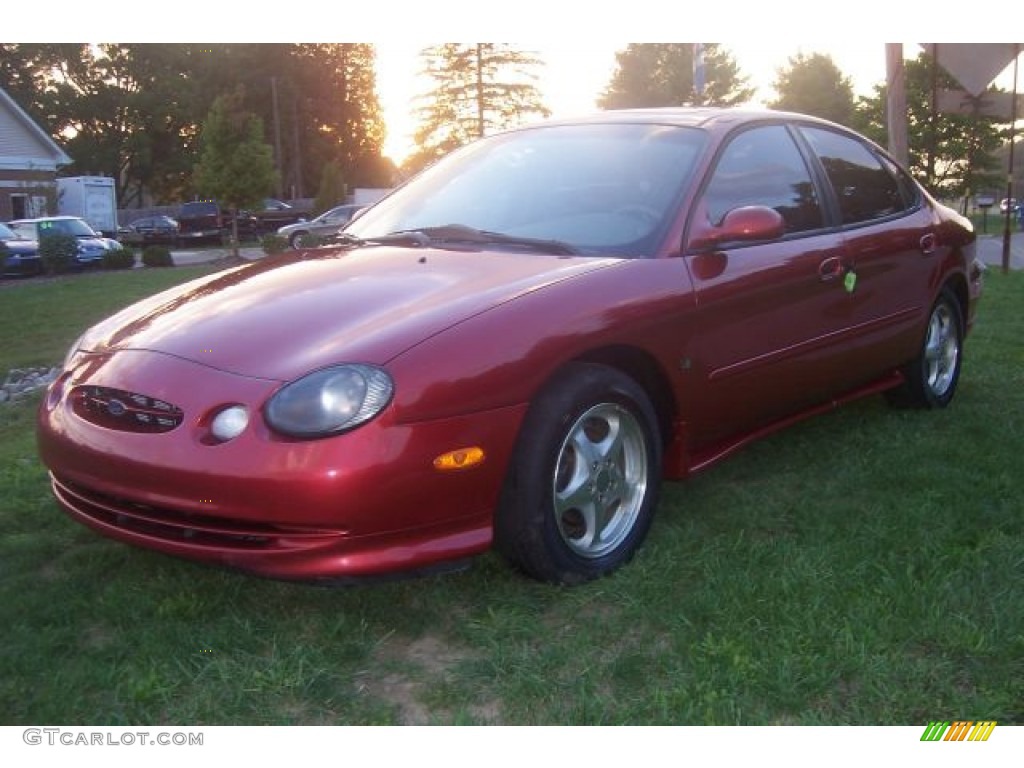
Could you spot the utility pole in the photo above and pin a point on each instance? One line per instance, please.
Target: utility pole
(298, 189)
(896, 103)
(277, 134)
(1009, 174)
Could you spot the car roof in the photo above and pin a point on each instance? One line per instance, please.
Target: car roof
(47, 218)
(691, 117)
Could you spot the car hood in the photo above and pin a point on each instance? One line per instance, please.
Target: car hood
(281, 317)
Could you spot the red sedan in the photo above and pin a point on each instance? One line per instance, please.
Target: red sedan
(515, 348)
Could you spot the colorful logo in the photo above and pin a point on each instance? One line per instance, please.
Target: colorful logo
(960, 730)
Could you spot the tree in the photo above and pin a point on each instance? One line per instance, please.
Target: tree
(953, 157)
(236, 165)
(661, 75)
(27, 74)
(479, 88)
(318, 103)
(343, 120)
(134, 111)
(113, 107)
(814, 85)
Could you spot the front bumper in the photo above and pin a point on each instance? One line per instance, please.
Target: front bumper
(365, 503)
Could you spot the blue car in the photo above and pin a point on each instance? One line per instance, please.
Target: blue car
(91, 244)
(20, 256)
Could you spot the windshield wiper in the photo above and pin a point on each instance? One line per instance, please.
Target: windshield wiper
(459, 233)
(454, 233)
(411, 238)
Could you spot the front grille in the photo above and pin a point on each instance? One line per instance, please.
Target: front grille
(183, 527)
(126, 411)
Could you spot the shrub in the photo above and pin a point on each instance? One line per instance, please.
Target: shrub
(119, 258)
(157, 256)
(274, 244)
(57, 252)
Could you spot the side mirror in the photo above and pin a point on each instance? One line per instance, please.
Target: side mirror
(746, 224)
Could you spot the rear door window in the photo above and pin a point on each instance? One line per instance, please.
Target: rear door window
(865, 189)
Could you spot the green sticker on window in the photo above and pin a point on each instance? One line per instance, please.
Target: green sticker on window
(850, 281)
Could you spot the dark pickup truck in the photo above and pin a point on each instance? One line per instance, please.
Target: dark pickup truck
(205, 221)
(201, 221)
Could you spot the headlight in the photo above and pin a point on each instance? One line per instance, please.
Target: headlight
(329, 401)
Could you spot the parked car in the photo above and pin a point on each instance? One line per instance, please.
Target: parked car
(325, 226)
(150, 230)
(1009, 204)
(274, 214)
(20, 255)
(91, 244)
(514, 349)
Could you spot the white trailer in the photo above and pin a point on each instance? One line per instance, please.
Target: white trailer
(92, 198)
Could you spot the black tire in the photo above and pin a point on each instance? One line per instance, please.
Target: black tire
(567, 521)
(297, 240)
(932, 377)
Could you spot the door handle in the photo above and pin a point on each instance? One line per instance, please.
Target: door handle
(831, 268)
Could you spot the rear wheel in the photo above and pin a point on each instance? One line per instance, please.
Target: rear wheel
(931, 379)
(581, 491)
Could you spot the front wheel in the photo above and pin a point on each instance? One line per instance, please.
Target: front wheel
(581, 491)
(931, 379)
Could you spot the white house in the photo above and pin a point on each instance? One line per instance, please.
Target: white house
(29, 159)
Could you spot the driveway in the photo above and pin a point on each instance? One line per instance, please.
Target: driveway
(206, 255)
(990, 250)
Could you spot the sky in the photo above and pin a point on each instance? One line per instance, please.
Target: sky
(577, 40)
(574, 75)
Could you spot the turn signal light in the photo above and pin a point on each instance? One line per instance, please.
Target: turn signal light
(461, 458)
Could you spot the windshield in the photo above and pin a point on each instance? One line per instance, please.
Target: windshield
(6, 233)
(601, 189)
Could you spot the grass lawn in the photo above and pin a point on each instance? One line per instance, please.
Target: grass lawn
(861, 568)
(42, 317)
